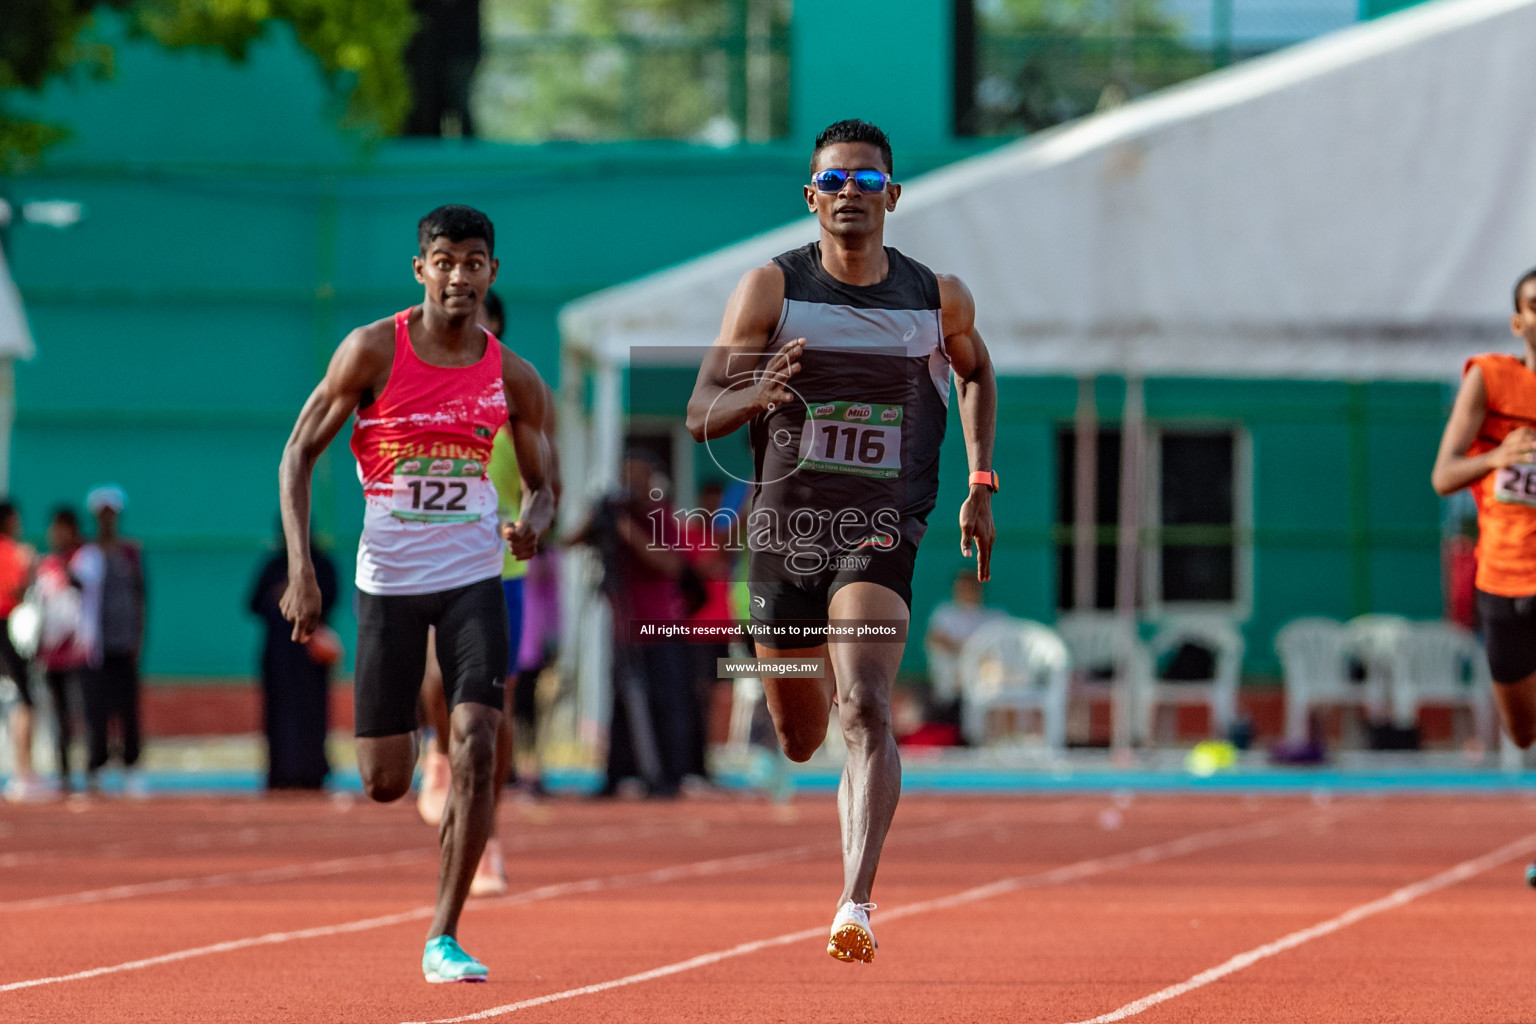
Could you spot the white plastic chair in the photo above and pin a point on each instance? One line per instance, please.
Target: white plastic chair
(1380, 644)
(1219, 692)
(1316, 670)
(1107, 657)
(1018, 665)
(1447, 666)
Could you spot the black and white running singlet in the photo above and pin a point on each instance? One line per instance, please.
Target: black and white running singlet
(854, 459)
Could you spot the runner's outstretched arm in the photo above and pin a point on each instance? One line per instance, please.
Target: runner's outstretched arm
(978, 414)
(730, 391)
(359, 365)
(1454, 468)
(526, 401)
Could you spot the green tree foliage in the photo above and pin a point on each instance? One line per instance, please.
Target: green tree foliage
(1042, 62)
(358, 43)
(606, 69)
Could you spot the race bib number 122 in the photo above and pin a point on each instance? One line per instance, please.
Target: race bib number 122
(852, 437)
(438, 490)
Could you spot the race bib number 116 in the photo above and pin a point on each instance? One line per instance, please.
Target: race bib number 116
(1516, 484)
(852, 437)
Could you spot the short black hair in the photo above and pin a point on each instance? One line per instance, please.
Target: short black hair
(1529, 275)
(65, 516)
(493, 307)
(854, 130)
(8, 509)
(455, 223)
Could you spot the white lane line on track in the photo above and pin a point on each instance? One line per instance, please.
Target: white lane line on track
(697, 869)
(1407, 894)
(1056, 876)
(318, 869)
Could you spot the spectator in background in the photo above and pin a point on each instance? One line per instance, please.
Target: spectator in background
(69, 596)
(16, 561)
(537, 650)
(949, 627)
(649, 735)
(441, 59)
(295, 677)
(709, 535)
(111, 687)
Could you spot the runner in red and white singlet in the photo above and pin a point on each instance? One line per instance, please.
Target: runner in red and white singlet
(423, 449)
(430, 387)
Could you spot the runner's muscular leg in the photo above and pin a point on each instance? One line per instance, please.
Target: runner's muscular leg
(467, 817)
(801, 708)
(871, 783)
(386, 764)
(1517, 709)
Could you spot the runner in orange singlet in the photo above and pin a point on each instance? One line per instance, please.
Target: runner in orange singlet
(1490, 445)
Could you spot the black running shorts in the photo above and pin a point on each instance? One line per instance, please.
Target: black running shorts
(782, 593)
(472, 645)
(1509, 630)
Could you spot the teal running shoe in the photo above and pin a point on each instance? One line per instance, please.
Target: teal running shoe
(445, 961)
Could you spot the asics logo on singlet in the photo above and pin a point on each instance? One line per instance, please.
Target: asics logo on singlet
(759, 602)
(911, 333)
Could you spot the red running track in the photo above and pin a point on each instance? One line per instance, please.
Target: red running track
(1057, 910)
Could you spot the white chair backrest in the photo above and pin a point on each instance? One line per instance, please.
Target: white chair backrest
(1099, 641)
(1216, 635)
(1445, 659)
(1011, 655)
(1376, 637)
(1311, 650)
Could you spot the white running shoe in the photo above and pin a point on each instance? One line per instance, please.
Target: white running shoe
(436, 780)
(852, 939)
(491, 873)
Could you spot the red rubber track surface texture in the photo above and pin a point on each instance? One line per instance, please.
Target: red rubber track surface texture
(1048, 909)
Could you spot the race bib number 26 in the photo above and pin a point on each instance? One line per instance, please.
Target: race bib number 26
(1516, 484)
(852, 437)
(438, 490)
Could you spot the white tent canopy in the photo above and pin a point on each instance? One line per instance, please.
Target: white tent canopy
(15, 338)
(15, 343)
(1354, 207)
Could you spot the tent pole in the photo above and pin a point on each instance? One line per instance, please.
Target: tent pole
(1085, 497)
(1132, 431)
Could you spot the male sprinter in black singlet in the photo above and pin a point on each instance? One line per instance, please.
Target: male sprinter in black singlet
(839, 356)
(430, 389)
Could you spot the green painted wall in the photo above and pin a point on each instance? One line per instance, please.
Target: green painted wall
(232, 236)
(894, 69)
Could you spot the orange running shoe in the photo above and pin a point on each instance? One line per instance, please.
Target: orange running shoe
(852, 940)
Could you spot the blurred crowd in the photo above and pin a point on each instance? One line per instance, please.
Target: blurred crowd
(74, 621)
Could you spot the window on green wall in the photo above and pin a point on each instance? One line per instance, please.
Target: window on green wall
(1193, 512)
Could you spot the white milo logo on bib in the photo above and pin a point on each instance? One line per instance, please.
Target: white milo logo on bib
(852, 437)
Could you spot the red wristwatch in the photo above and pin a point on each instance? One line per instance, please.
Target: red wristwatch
(987, 478)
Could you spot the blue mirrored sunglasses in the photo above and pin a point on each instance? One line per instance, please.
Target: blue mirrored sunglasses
(865, 180)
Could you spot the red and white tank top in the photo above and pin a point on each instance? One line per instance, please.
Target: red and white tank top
(423, 448)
